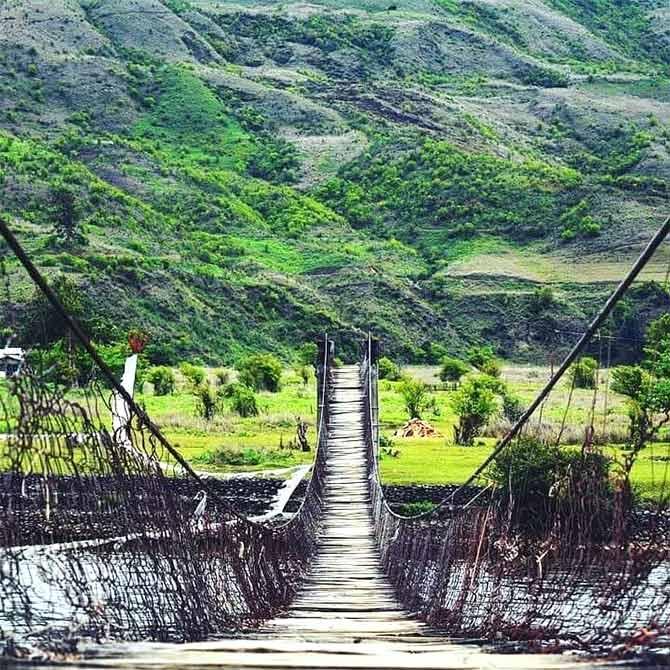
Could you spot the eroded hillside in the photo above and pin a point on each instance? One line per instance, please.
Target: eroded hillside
(233, 176)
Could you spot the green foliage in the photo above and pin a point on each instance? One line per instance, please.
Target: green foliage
(658, 337)
(261, 372)
(306, 373)
(624, 24)
(474, 403)
(163, 380)
(194, 374)
(326, 32)
(577, 222)
(453, 369)
(416, 508)
(388, 369)
(415, 396)
(207, 401)
(484, 360)
(248, 456)
(65, 213)
(242, 400)
(307, 354)
(222, 376)
(540, 481)
(450, 192)
(512, 406)
(542, 299)
(583, 373)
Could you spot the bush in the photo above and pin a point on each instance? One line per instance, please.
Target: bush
(415, 396)
(388, 369)
(305, 373)
(474, 403)
(248, 456)
(512, 407)
(453, 369)
(542, 481)
(207, 401)
(307, 354)
(583, 373)
(484, 360)
(261, 372)
(415, 508)
(162, 378)
(243, 401)
(194, 374)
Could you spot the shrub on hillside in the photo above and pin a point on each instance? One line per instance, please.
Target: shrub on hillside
(261, 372)
(452, 369)
(388, 369)
(162, 378)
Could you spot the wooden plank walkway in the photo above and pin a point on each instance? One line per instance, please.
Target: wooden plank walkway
(346, 596)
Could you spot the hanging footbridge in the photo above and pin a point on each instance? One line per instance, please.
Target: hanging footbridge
(99, 539)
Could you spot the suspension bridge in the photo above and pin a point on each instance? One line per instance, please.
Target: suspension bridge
(99, 540)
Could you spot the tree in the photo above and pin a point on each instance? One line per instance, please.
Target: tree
(307, 354)
(484, 360)
(474, 403)
(648, 403)
(657, 340)
(647, 388)
(261, 372)
(388, 369)
(453, 369)
(583, 373)
(162, 378)
(45, 325)
(66, 215)
(415, 396)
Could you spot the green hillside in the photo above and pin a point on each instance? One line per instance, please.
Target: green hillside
(242, 176)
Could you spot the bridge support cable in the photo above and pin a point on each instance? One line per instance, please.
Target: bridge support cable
(97, 531)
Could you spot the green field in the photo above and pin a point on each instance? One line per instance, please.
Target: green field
(230, 443)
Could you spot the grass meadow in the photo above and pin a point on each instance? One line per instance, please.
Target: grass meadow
(230, 443)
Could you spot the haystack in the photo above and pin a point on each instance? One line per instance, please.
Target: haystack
(416, 428)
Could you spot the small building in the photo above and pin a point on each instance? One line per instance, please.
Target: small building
(11, 361)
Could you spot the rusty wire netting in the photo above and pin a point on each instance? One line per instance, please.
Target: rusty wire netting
(98, 530)
(475, 570)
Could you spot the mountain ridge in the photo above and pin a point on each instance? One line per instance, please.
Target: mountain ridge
(244, 176)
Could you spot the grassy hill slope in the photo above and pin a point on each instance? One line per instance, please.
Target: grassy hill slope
(240, 176)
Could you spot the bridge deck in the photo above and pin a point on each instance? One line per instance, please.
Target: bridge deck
(346, 593)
